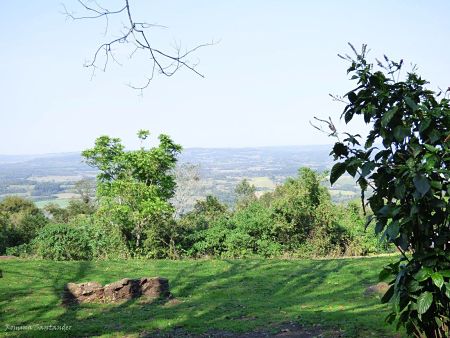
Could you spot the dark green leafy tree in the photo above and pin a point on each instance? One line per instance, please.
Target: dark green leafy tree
(409, 175)
(20, 220)
(134, 188)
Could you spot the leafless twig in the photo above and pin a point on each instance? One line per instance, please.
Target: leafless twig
(136, 33)
(330, 125)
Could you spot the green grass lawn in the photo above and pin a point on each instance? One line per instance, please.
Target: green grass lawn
(222, 295)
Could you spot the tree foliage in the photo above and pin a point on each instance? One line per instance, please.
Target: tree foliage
(134, 189)
(20, 221)
(409, 175)
(297, 219)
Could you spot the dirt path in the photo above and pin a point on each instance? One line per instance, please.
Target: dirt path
(7, 257)
(286, 330)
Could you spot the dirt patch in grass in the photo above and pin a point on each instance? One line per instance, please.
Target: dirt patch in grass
(285, 330)
(377, 289)
(7, 257)
(172, 302)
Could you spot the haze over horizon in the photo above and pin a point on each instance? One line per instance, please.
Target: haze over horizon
(290, 146)
(268, 76)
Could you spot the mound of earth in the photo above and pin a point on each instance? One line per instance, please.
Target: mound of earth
(124, 289)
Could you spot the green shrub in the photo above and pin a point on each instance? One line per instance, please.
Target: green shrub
(298, 219)
(20, 220)
(79, 240)
(211, 241)
(23, 250)
(64, 242)
(361, 241)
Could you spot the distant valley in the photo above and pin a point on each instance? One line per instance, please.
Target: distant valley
(51, 177)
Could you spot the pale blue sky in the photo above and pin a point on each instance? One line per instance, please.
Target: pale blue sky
(270, 74)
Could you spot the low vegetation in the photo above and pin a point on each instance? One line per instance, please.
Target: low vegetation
(298, 219)
(214, 296)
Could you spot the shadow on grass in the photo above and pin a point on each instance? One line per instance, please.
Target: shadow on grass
(230, 295)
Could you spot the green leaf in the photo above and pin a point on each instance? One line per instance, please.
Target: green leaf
(367, 168)
(438, 280)
(337, 171)
(390, 317)
(403, 242)
(400, 132)
(379, 228)
(447, 290)
(385, 211)
(431, 148)
(348, 116)
(351, 97)
(424, 302)
(388, 295)
(411, 104)
(424, 124)
(421, 183)
(385, 274)
(400, 189)
(393, 230)
(445, 273)
(340, 149)
(414, 286)
(423, 274)
(387, 117)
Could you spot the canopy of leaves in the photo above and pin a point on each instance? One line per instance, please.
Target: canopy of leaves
(134, 187)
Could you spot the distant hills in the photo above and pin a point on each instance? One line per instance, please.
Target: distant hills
(221, 169)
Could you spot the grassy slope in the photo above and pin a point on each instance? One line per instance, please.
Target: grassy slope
(232, 295)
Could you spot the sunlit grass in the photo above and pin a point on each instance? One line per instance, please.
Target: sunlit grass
(231, 295)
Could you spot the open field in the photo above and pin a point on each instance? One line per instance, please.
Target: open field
(62, 202)
(213, 296)
(263, 182)
(221, 169)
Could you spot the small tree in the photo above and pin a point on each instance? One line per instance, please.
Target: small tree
(134, 188)
(409, 174)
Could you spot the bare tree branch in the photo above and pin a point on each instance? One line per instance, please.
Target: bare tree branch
(330, 125)
(136, 33)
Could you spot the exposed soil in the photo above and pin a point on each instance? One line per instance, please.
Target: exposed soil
(285, 330)
(7, 257)
(377, 289)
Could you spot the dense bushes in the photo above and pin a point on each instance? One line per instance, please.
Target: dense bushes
(63, 242)
(79, 240)
(20, 221)
(133, 215)
(298, 219)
